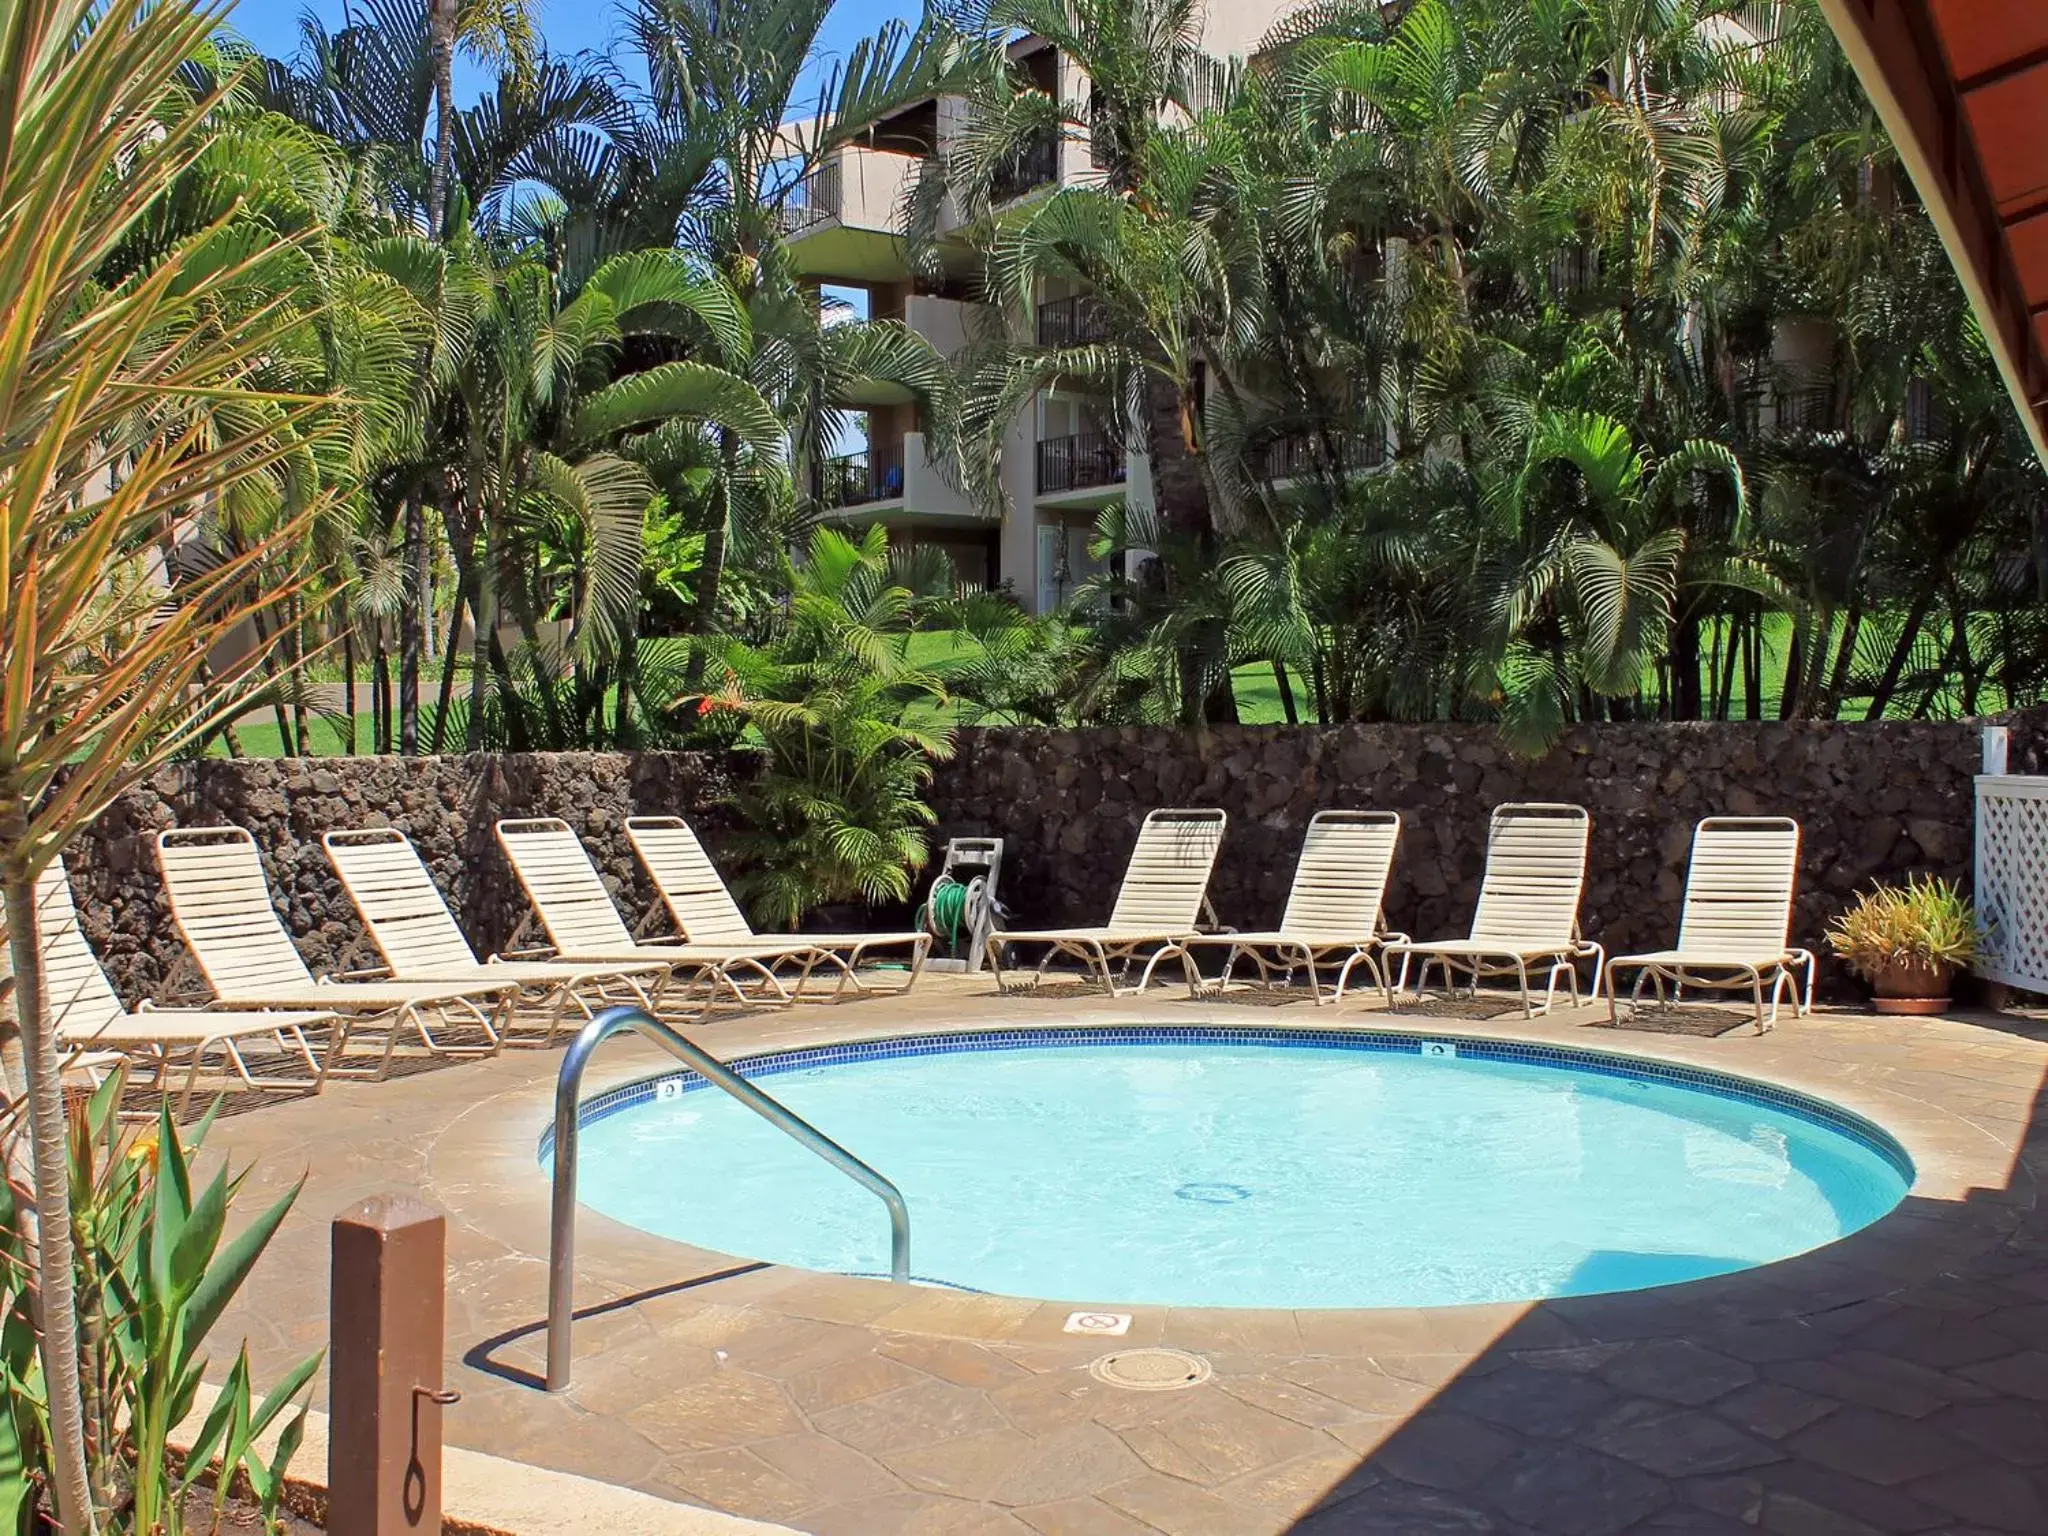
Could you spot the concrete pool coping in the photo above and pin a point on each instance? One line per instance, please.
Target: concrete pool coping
(829, 1402)
(498, 1141)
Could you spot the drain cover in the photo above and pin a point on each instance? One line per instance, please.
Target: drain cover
(1151, 1370)
(1214, 1194)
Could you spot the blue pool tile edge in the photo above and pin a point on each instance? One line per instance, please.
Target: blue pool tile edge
(1726, 1085)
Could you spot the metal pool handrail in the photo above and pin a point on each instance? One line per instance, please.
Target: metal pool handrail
(568, 1088)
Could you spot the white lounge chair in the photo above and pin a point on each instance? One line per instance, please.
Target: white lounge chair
(90, 1021)
(583, 924)
(1158, 907)
(1334, 908)
(1528, 910)
(702, 907)
(420, 940)
(1736, 926)
(221, 903)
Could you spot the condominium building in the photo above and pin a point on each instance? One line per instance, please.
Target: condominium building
(1060, 464)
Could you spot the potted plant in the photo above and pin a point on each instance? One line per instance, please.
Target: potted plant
(1907, 941)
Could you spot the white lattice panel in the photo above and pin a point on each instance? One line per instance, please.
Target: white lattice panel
(2012, 880)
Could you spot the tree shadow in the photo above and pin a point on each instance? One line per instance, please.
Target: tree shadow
(1895, 1380)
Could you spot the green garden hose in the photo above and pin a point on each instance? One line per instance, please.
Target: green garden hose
(946, 907)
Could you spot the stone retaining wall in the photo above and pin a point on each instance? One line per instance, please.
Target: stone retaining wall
(1876, 801)
(448, 805)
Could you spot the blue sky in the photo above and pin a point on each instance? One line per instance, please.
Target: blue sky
(570, 26)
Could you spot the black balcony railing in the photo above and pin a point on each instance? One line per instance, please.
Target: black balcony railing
(1078, 462)
(1035, 165)
(819, 197)
(1804, 408)
(1071, 322)
(1573, 270)
(853, 479)
(1301, 453)
(1927, 417)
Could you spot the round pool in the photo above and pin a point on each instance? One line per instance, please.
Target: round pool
(1248, 1167)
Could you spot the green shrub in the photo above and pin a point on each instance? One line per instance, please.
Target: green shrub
(154, 1274)
(1926, 922)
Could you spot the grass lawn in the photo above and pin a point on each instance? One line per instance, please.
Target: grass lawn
(1258, 698)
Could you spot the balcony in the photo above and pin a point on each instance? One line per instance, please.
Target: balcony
(855, 479)
(895, 480)
(1080, 462)
(1573, 270)
(844, 220)
(1036, 165)
(1299, 453)
(1072, 322)
(1804, 408)
(815, 200)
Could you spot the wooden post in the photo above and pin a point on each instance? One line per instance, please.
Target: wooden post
(384, 1368)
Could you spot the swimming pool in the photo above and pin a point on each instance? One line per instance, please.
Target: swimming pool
(1248, 1167)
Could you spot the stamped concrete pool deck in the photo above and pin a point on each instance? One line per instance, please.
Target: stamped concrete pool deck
(1896, 1381)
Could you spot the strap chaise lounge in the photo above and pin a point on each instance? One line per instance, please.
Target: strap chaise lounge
(420, 941)
(221, 903)
(1158, 907)
(1735, 929)
(89, 1018)
(1334, 911)
(582, 922)
(1528, 913)
(702, 906)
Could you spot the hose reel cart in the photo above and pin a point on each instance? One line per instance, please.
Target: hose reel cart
(961, 909)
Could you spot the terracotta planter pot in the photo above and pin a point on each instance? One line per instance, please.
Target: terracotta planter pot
(1912, 987)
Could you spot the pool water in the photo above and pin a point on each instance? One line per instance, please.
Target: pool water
(1234, 1175)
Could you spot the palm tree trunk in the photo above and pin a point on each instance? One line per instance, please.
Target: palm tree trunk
(1286, 692)
(484, 614)
(442, 16)
(629, 655)
(1845, 656)
(348, 685)
(58, 1340)
(1795, 669)
(412, 625)
(711, 567)
(1753, 667)
(1684, 685)
(448, 654)
(295, 644)
(382, 664)
(1727, 638)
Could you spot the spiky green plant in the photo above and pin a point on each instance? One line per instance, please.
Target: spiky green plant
(155, 1270)
(131, 409)
(1927, 922)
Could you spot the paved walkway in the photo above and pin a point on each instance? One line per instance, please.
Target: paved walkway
(1894, 1382)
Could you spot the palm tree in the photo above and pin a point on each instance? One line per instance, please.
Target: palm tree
(371, 86)
(835, 814)
(545, 405)
(155, 373)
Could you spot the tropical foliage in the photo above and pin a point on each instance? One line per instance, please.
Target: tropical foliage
(1515, 361)
(835, 812)
(155, 1271)
(1673, 405)
(1926, 923)
(171, 437)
